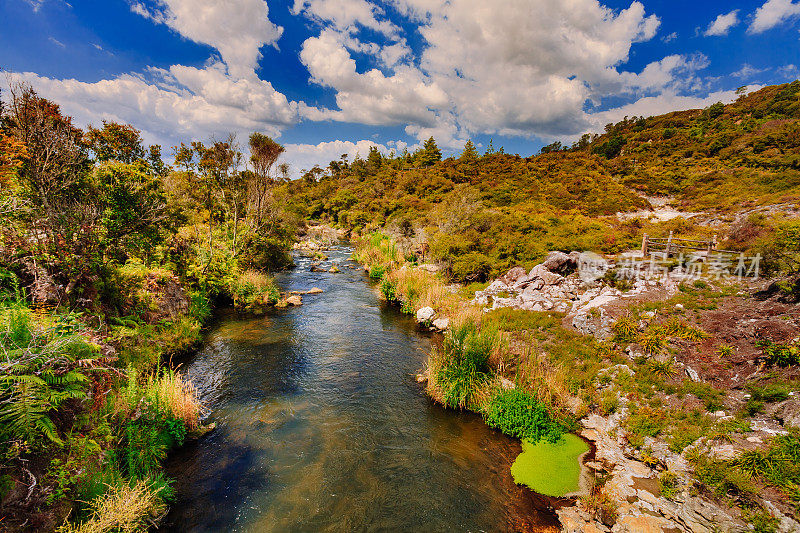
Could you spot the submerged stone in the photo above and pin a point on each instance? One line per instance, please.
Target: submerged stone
(552, 469)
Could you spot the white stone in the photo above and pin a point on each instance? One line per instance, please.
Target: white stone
(441, 323)
(425, 314)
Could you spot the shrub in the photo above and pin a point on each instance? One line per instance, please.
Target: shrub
(520, 415)
(625, 329)
(782, 355)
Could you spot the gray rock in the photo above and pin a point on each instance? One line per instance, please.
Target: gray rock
(692, 373)
(513, 275)
(788, 412)
(549, 278)
(428, 267)
(555, 261)
(425, 314)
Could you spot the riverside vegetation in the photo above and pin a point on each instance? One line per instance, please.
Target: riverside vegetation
(111, 261)
(110, 264)
(732, 171)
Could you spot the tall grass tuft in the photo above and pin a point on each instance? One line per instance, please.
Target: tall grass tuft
(175, 397)
(124, 508)
(461, 368)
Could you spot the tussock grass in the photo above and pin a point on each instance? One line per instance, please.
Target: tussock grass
(175, 396)
(460, 369)
(124, 508)
(252, 289)
(167, 392)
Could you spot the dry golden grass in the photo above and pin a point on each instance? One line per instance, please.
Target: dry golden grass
(542, 378)
(171, 394)
(128, 509)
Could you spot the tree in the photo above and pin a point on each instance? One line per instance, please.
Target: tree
(428, 154)
(283, 168)
(374, 159)
(54, 194)
(264, 152)
(118, 142)
(470, 153)
(133, 207)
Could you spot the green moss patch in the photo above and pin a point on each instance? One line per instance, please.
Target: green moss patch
(548, 468)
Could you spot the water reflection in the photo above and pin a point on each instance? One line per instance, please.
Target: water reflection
(321, 427)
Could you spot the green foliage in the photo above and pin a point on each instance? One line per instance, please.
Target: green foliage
(711, 397)
(389, 290)
(465, 363)
(625, 329)
(252, 291)
(377, 272)
(39, 374)
(781, 355)
(520, 415)
(668, 483)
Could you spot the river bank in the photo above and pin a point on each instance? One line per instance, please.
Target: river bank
(638, 406)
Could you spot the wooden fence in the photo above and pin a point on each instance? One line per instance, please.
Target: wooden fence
(672, 246)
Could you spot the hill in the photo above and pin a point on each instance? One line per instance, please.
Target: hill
(482, 214)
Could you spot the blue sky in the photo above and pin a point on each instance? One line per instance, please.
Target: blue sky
(327, 77)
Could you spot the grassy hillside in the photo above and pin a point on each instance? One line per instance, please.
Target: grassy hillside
(483, 214)
(720, 158)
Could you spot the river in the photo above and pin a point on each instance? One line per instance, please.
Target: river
(321, 426)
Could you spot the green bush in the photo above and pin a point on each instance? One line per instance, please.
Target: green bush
(377, 272)
(520, 415)
(782, 355)
(388, 290)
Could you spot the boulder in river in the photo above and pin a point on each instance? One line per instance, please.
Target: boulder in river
(315, 290)
(295, 299)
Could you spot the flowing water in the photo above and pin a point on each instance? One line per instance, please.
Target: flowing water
(321, 426)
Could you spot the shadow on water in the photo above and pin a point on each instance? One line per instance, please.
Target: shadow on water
(322, 427)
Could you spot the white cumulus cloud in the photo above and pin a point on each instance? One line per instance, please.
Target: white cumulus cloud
(236, 28)
(773, 13)
(722, 24)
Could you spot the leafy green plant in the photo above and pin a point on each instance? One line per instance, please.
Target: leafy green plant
(663, 369)
(782, 355)
(377, 272)
(724, 351)
(39, 374)
(388, 290)
(520, 415)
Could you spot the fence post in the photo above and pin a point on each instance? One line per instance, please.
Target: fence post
(669, 244)
(644, 246)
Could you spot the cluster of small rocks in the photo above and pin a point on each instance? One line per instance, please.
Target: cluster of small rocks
(633, 488)
(544, 288)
